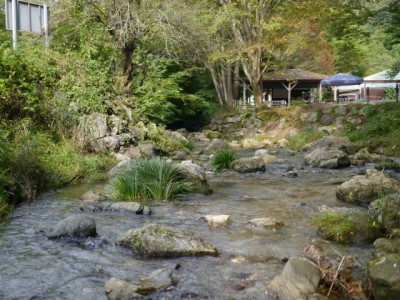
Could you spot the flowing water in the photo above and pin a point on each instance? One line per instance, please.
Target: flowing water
(33, 267)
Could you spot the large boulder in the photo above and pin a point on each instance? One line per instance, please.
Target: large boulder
(161, 241)
(298, 280)
(80, 226)
(197, 175)
(387, 211)
(362, 189)
(332, 142)
(91, 129)
(248, 164)
(328, 159)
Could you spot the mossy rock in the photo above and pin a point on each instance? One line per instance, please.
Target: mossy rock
(347, 227)
(386, 211)
(161, 241)
(384, 274)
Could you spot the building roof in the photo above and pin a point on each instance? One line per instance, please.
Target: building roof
(293, 74)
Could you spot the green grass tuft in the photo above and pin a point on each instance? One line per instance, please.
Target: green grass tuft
(153, 178)
(308, 135)
(222, 159)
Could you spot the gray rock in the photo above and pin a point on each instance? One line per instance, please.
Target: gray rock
(384, 274)
(215, 145)
(91, 196)
(327, 120)
(332, 142)
(266, 222)
(109, 143)
(261, 152)
(133, 153)
(133, 207)
(160, 241)
(309, 117)
(73, 226)
(147, 150)
(116, 124)
(362, 189)
(197, 175)
(175, 135)
(387, 211)
(298, 280)
(248, 164)
(91, 128)
(157, 280)
(342, 110)
(119, 168)
(217, 220)
(116, 289)
(328, 159)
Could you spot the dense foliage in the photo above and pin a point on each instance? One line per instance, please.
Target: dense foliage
(174, 62)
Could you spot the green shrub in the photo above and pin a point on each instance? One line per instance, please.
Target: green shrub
(222, 159)
(149, 179)
(162, 143)
(303, 138)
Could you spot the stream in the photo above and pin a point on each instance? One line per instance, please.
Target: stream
(33, 267)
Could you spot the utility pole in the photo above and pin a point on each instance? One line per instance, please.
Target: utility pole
(14, 23)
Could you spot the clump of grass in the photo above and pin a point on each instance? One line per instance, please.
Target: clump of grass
(346, 228)
(335, 226)
(222, 159)
(153, 178)
(308, 135)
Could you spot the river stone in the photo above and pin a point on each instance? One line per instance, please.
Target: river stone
(282, 143)
(134, 207)
(197, 175)
(387, 211)
(92, 196)
(217, 220)
(266, 222)
(175, 135)
(120, 290)
(332, 142)
(157, 280)
(119, 168)
(248, 164)
(298, 280)
(328, 159)
(261, 152)
(268, 159)
(73, 226)
(161, 241)
(362, 189)
(365, 156)
(384, 274)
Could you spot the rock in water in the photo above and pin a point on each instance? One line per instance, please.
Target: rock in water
(298, 280)
(328, 159)
(73, 226)
(157, 280)
(91, 196)
(160, 241)
(120, 290)
(217, 220)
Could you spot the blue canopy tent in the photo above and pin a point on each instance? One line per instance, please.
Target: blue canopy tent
(341, 79)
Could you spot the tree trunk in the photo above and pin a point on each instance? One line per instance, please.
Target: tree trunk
(127, 64)
(236, 81)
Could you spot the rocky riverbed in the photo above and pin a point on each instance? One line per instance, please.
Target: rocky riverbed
(287, 191)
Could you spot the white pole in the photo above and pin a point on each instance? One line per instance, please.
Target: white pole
(320, 93)
(14, 23)
(46, 26)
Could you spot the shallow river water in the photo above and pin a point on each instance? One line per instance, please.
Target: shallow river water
(33, 267)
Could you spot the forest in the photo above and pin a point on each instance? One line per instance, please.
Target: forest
(175, 63)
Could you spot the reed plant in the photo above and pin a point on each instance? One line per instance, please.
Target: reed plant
(153, 178)
(223, 158)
